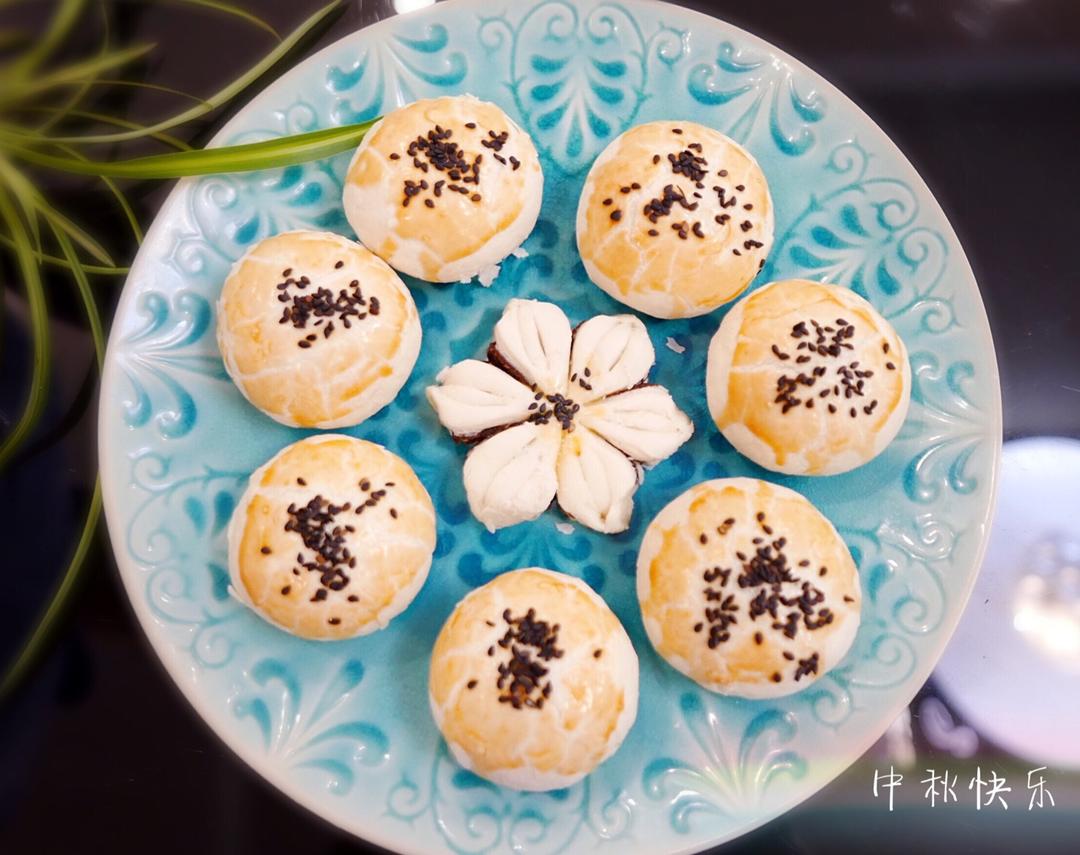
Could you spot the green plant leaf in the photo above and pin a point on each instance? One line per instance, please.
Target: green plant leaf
(90, 115)
(314, 24)
(39, 331)
(67, 13)
(15, 90)
(152, 87)
(118, 194)
(76, 97)
(229, 9)
(247, 157)
(82, 285)
(77, 233)
(26, 195)
(10, 39)
(56, 261)
(46, 624)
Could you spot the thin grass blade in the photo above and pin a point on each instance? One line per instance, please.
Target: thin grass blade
(247, 157)
(93, 116)
(56, 261)
(230, 9)
(46, 625)
(39, 331)
(118, 194)
(67, 13)
(12, 92)
(313, 25)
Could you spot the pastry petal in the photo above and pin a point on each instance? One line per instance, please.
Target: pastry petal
(474, 396)
(510, 477)
(597, 482)
(643, 423)
(534, 339)
(616, 353)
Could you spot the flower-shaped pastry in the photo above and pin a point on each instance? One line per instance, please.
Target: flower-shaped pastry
(559, 413)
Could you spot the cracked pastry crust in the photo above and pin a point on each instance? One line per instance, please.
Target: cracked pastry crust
(747, 589)
(533, 682)
(807, 378)
(315, 330)
(561, 414)
(332, 538)
(444, 189)
(675, 219)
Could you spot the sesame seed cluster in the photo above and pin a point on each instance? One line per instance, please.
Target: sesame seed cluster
(323, 529)
(320, 306)
(784, 597)
(686, 204)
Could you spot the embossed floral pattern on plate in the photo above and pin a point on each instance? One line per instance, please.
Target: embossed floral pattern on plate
(344, 728)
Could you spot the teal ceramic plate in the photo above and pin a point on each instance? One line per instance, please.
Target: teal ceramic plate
(344, 728)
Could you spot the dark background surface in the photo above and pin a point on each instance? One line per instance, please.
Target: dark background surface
(99, 752)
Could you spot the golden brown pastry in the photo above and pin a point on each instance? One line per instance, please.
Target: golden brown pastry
(747, 589)
(807, 378)
(332, 538)
(315, 330)
(534, 682)
(444, 189)
(675, 219)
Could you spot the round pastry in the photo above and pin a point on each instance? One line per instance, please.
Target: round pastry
(675, 219)
(534, 682)
(332, 538)
(444, 189)
(807, 379)
(747, 589)
(315, 330)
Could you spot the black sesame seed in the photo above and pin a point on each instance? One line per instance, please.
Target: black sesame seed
(265, 550)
